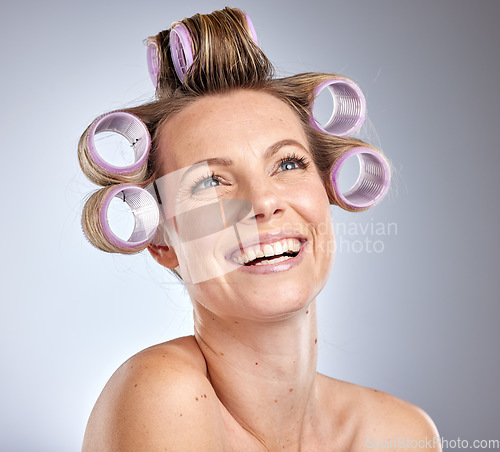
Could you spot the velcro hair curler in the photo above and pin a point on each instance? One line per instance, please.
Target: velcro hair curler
(372, 182)
(153, 58)
(144, 210)
(130, 127)
(181, 50)
(251, 28)
(349, 107)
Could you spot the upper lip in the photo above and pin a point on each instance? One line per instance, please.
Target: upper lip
(267, 237)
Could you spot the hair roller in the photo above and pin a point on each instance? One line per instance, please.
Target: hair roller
(181, 48)
(251, 29)
(372, 182)
(144, 209)
(130, 127)
(153, 58)
(349, 107)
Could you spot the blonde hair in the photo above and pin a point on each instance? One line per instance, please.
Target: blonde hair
(226, 58)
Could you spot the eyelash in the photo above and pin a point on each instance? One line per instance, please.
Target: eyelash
(300, 161)
(197, 182)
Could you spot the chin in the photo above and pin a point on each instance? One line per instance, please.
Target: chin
(278, 301)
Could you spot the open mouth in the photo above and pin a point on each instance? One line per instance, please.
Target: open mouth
(268, 254)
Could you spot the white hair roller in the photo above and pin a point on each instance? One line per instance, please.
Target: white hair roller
(349, 107)
(372, 183)
(144, 210)
(133, 130)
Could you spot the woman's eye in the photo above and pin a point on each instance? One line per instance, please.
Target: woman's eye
(288, 165)
(292, 162)
(207, 182)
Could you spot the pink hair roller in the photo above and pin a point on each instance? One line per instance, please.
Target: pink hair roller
(181, 50)
(153, 61)
(373, 179)
(144, 210)
(349, 108)
(252, 29)
(131, 128)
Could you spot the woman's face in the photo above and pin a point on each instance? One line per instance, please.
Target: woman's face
(232, 153)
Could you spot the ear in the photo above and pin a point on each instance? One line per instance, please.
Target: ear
(164, 255)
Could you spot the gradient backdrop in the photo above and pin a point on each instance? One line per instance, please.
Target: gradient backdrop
(415, 315)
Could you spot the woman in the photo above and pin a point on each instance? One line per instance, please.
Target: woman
(230, 143)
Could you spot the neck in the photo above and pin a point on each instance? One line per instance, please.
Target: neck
(264, 373)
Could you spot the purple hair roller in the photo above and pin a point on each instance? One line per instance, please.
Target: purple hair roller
(373, 180)
(181, 51)
(131, 128)
(181, 48)
(153, 61)
(144, 210)
(251, 28)
(349, 108)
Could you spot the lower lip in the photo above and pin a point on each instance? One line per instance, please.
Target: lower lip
(275, 268)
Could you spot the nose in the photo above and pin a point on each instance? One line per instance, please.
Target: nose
(266, 199)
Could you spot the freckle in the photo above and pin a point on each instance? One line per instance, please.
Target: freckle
(204, 395)
(135, 386)
(196, 399)
(236, 323)
(221, 354)
(275, 401)
(291, 389)
(180, 415)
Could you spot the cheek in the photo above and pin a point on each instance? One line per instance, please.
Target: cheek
(324, 239)
(313, 205)
(311, 201)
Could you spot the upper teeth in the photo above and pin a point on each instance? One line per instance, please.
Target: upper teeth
(268, 250)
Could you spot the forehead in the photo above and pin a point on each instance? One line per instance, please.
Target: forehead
(239, 124)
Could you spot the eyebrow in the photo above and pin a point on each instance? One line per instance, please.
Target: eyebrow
(222, 161)
(270, 151)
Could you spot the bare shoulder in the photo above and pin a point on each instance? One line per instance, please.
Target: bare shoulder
(153, 401)
(378, 420)
(394, 423)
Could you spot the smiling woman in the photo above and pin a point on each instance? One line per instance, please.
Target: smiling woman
(241, 177)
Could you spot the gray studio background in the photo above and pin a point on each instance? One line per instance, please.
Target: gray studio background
(418, 318)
